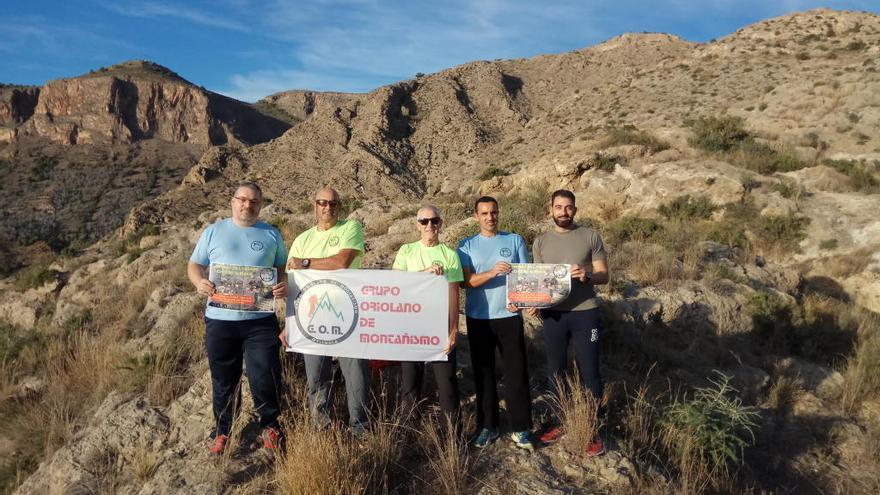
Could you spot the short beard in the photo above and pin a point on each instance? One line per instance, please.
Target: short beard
(563, 224)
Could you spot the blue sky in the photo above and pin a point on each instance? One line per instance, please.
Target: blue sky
(249, 49)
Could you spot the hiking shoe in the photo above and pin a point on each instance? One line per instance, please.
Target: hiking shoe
(596, 447)
(485, 437)
(551, 435)
(219, 444)
(523, 439)
(271, 438)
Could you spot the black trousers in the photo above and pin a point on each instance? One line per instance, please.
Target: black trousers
(254, 342)
(413, 372)
(507, 335)
(581, 329)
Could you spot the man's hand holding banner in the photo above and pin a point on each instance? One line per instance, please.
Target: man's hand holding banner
(373, 314)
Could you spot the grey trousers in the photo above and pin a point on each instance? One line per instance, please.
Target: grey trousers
(357, 388)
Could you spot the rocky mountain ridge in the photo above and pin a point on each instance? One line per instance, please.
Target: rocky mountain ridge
(129, 102)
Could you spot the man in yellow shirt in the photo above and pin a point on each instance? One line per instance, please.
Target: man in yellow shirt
(429, 255)
(332, 244)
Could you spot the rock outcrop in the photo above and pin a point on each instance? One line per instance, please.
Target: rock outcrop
(131, 102)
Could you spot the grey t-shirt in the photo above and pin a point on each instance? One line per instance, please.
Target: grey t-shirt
(580, 245)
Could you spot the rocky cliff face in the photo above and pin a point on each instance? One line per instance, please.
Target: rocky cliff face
(131, 102)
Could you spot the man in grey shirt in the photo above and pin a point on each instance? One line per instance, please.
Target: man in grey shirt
(575, 320)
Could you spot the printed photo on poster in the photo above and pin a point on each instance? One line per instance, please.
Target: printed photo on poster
(537, 285)
(242, 288)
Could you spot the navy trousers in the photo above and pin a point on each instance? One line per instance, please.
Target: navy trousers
(254, 343)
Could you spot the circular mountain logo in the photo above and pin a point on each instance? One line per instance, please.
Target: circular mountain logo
(257, 246)
(506, 252)
(437, 263)
(326, 311)
(267, 274)
(333, 241)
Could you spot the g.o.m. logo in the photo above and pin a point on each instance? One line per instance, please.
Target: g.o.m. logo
(326, 311)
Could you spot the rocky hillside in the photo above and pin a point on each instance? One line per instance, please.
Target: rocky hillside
(130, 102)
(735, 183)
(137, 128)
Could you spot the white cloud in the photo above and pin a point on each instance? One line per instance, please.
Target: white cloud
(156, 10)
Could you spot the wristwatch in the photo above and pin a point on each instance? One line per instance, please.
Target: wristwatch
(305, 263)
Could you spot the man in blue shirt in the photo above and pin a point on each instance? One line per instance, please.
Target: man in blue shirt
(485, 260)
(233, 336)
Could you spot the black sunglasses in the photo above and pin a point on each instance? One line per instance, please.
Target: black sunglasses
(432, 220)
(325, 202)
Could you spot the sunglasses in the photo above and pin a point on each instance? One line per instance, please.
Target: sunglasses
(332, 203)
(432, 221)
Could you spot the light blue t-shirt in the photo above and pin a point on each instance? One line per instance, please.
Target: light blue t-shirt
(479, 254)
(224, 242)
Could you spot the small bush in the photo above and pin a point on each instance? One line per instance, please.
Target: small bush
(492, 172)
(763, 158)
(717, 134)
(706, 435)
(855, 46)
(781, 232)
(688, 208)
(629, 228)
(630, 135)
(860, 178)
(604, 162)
(828, 244)
(34, 276)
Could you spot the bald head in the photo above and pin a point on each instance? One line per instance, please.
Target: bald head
(327, 193)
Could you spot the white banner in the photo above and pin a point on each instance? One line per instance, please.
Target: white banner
(372, 314)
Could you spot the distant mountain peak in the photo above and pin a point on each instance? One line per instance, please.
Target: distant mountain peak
(137, 69)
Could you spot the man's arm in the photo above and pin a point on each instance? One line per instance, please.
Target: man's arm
(453, 316)
(198, 276)
(472, 280)
(338, 261)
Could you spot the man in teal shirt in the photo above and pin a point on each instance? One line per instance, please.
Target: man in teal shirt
(235, 336)
(485, 259)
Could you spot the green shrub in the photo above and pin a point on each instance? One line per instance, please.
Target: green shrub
(708, 432)
(781, 231)
(630, 135)
(34, 276)
(726, 135)
(828, 244)
(727, 232)
(493, 171)
(688, 208)
(14, 339)
(629, 228)
(860, 178)
(717, 133)
(605, 162)
(855, 46)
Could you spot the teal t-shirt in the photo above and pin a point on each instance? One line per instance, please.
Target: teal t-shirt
(479, 254)
(415, 256)
(226, 243)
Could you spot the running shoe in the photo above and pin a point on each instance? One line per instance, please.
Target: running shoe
(596, 447)
(551, 435)
(271, 438)
(219, 444)
(523, 439)
(485, 437)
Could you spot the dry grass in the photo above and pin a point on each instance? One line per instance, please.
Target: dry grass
(862, 374)
(320, 461)
(447, 456)
(577, 410)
